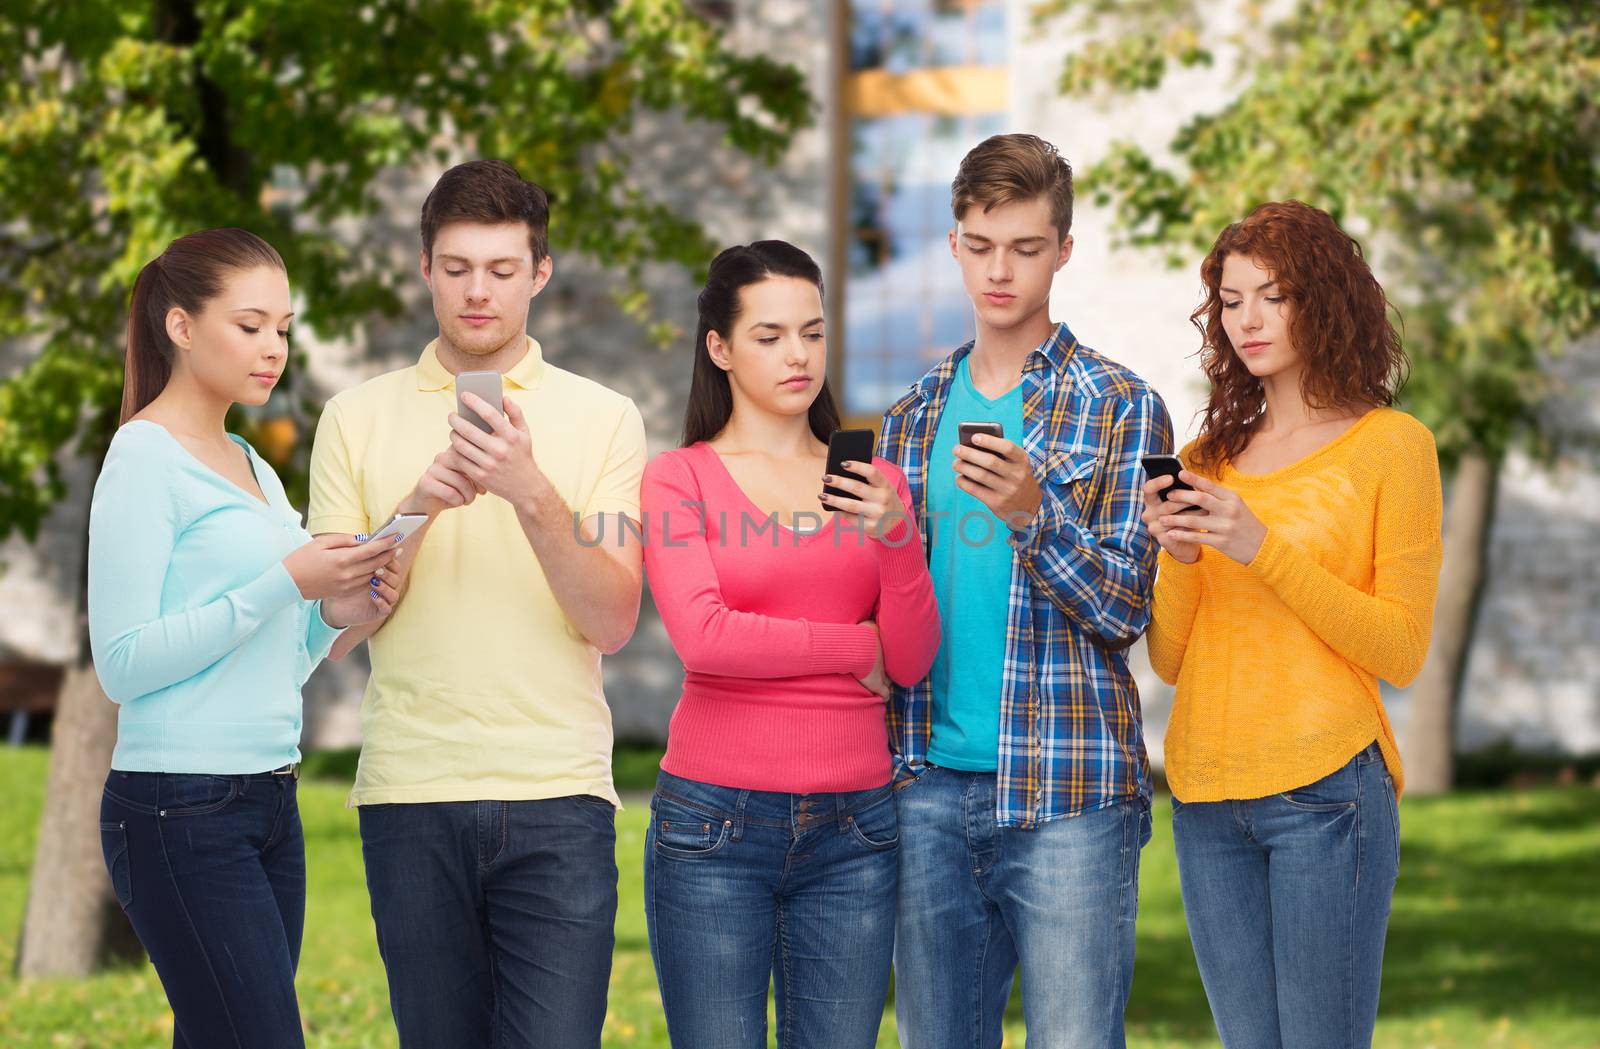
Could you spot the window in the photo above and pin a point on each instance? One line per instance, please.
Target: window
(926, 82)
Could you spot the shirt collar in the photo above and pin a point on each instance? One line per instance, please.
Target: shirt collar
(524, 375)
(1055, 352)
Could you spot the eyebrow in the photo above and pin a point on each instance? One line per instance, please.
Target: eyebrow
(775, 326)
(1261, 287)
(259, 310)
(514, 260)
(1035, 239)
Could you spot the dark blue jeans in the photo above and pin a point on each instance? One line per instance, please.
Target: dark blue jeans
(743, 888)
(1287, 899)
(977, 900)
(211, 871)
(496, 919)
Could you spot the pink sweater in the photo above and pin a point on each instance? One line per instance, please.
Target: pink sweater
(767, 624)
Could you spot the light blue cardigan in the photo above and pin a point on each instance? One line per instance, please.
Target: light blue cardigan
(198, 631)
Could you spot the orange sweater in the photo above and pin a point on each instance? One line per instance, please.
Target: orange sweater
(1277, 662)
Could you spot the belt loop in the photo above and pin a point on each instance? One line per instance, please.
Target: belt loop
(738, 815)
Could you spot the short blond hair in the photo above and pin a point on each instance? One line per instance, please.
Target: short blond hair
(1004, 169)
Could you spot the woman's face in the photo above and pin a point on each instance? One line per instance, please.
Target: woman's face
(238, 344)
(775, 353)
(1256, 317)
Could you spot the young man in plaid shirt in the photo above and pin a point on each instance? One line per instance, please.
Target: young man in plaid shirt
(1023, 789)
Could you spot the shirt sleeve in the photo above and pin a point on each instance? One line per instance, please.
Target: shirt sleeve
(336, 503)
(617, 490)
(1099, 567)
(710, 637)
(1177, 599)
(908, 615)
(1385, 632)
(135, 522)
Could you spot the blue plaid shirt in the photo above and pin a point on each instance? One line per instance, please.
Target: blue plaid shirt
(1071, 738)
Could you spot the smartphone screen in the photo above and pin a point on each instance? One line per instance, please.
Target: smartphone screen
(851, 445)
(486, 385)
(1167, 466)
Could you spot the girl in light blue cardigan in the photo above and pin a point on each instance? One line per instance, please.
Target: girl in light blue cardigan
(209, 606)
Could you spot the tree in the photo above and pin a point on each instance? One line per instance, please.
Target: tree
(123, 126)
(1459, 140)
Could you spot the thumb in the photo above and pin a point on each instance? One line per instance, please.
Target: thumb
(514, 414)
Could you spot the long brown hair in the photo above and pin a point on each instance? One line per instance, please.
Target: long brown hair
(1340, 324)
(189, 274)
(710, 397)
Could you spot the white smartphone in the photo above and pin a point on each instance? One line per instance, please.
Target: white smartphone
(400, 524)
(486, 385)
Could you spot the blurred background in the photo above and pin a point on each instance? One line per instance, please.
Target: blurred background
(1460, 142)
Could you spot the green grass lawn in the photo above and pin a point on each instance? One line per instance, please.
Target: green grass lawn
(1495, 939)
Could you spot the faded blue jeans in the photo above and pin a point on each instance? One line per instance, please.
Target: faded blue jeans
(1287, 899)
(747, 887)
(977, 900)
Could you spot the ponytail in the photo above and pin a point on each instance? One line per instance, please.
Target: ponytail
(188, 275)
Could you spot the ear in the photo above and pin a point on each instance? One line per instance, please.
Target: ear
(542, 273)
(719, 351)
(1065, 253)
(178, 328)
(954, 244)
(425, 265)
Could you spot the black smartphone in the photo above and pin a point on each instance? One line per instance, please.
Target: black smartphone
(965, 431)
(1168, 466)
(848, 446)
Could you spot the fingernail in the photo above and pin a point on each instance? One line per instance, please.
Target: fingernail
(827, 478)
(373, 580)
(361, 537)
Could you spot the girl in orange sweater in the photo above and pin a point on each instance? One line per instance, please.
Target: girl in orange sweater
(1300, 570)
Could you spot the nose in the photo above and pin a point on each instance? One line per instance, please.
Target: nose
(795, 352)
(477, 287)
(999, 267)
(1250, 315)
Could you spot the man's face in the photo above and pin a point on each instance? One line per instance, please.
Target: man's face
(483, 279)
(1009, 256)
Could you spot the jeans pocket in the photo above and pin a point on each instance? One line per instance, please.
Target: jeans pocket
(1340, 789)
(189, 794)
(682, 831)
(114, 846)
(877, 827)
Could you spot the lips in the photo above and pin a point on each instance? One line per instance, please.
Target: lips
(270, 378)
(475, 320)
(797, 382)
(1253, 347)
(998, 298)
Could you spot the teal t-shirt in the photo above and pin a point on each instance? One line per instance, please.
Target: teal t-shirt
(971, 566)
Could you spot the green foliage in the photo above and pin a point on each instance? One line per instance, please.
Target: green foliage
(1459, 141)
(124, 125)
(1493, 941)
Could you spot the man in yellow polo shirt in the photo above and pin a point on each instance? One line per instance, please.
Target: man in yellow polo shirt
(484, 788)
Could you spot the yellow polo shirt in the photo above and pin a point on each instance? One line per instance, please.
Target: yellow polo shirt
(481, 688)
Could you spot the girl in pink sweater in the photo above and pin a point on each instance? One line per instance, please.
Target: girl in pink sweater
(772, 848)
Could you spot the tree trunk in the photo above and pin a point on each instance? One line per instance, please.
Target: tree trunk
(1435, 696)
(73, 924)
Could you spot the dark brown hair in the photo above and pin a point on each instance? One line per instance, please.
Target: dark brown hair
(188, 275)
(489, 192)
(1004, 169)
(1340, 324)
(710, 396)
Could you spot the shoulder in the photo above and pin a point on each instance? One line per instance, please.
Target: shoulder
(1099, 376)
(675, 466)
(587, 395)
(374, 394)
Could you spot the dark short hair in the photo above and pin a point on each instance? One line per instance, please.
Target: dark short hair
(1005, 169)
(488, 192)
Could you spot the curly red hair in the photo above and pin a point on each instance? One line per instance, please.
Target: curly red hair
(1340, 325)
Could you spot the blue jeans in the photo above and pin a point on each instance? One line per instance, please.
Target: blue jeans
(977, 900)
(743, 887)
(496, 919)
(1287, 899)
(211, 871)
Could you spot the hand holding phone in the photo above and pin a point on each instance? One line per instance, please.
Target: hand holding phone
(401, 525)
(847, 446)
(967, 430)
(1156, 466)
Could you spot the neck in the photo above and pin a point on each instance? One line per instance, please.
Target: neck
(502, 360)
(998, 355)
(750, 429)
(186, 406)
(1286, 408)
